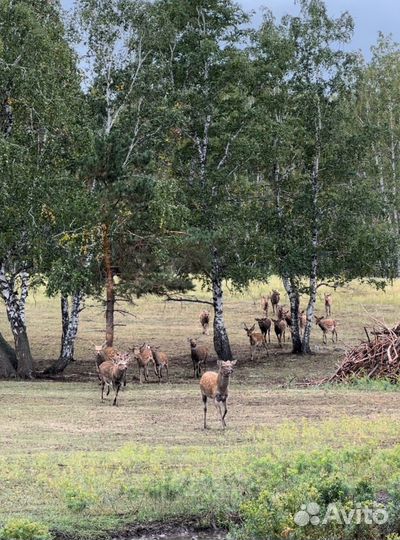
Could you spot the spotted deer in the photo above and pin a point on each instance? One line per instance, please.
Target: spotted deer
(143, 356)
(265, 327)
(327, 325)
(280, 326)
(112, 374)
(160, 363)
(205, 321)
(199, 354)
(275, 298)
(256, 340)
(265, 304)
(105, 353)
(215, 386)
(328, 304)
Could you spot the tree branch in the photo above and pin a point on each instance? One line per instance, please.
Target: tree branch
(170, 298)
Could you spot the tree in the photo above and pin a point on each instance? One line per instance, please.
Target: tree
(310, 155)
(379, 113)
(126, 95)
(39, 80)
(210, 101)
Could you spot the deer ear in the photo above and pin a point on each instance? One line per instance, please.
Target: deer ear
(233, 362)
(219, 363)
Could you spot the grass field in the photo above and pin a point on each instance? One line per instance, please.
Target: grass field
(85, 469)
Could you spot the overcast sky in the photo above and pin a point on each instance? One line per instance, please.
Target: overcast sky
(370, 16)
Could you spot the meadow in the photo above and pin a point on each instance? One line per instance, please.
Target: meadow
(73, 467)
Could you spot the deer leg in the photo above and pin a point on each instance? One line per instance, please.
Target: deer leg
(102, 390)
(217, 402)
(108, 389)
(140, 375)
(324, 338)
(117, 387)
(205, 410)
(225, 411)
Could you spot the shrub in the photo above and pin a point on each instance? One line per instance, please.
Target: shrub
(24, 529)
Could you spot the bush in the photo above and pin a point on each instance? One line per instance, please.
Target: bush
(24, 529)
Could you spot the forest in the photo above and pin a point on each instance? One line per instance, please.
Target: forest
(165, 166)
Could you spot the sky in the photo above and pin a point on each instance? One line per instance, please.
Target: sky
(370, 16)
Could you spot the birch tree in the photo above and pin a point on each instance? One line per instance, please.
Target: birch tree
(379, 113)
(311, 153)
(38, 81)
(211, 104)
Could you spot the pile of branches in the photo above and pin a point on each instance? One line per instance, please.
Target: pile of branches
(376, 358)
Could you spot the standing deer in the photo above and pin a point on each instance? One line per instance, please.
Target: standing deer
(275, 297)
(327, 325)
(280, 326)
(328, 304)
(199, 354)
(215, 386)
(265, 304)
(265, 327)
(205, 321)
(143, 356)
(160, 362)
(256, 340)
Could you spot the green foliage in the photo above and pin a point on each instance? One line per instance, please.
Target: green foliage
(77, 499)
(24, 529)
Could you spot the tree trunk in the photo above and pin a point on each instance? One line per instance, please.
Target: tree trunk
(310, 306)
(221, 339)
(24, 294)
(110, 287)
(292, 289)
(23, 351)
(314, 257)
(70, 324)
(15, 318)
(8, 360)
(315, 189)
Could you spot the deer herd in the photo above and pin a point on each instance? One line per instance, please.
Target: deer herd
(112, 365)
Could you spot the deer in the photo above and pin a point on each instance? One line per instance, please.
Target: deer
(256, 340)
(160, 362)
(287, 317)
(215, 386)
(275, 298)
(328, 304)
(106, 353)
(205, 320)
(280, 326)
(284, 313)
(143, 356)
(112, 374)
(327, 325)
(265, 304)
(265, 327)
(199, 354)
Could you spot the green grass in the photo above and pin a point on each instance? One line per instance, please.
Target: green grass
(87, 470)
